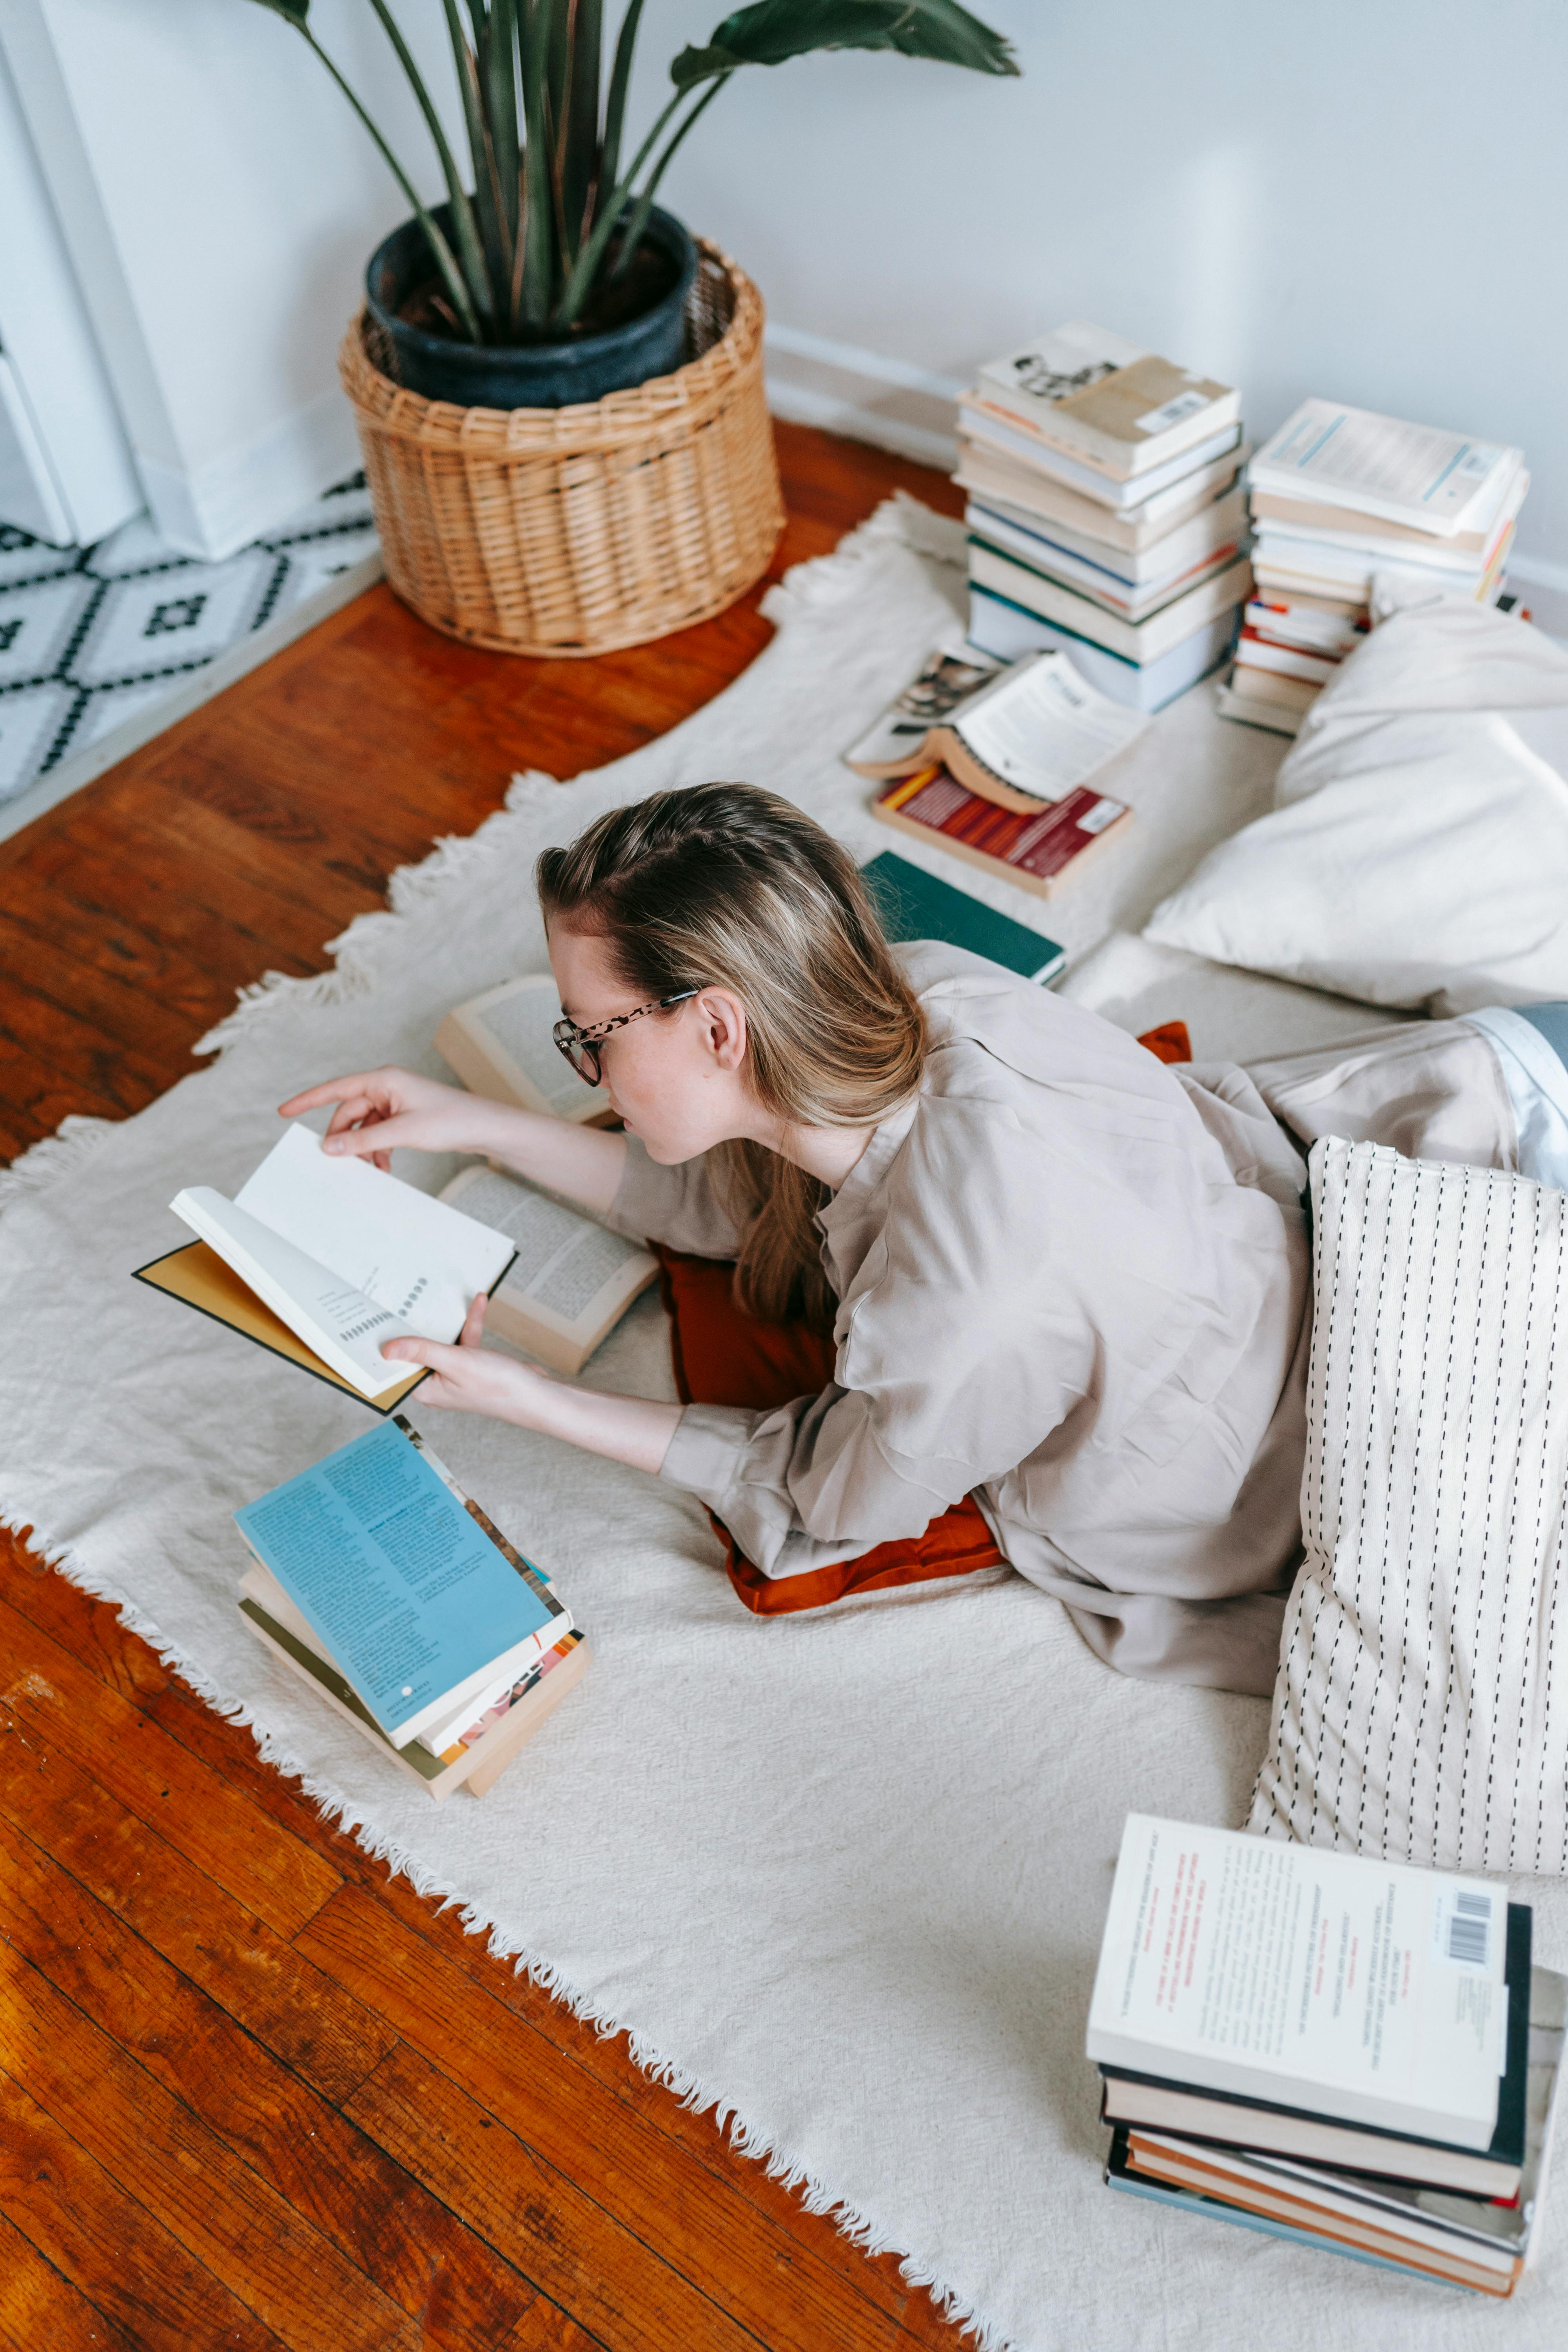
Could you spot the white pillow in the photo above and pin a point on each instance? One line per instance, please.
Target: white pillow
(1421, 1708)
(1417, 851)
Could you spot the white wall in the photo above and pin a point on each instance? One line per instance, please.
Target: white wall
(1367, 198)
(1364, 198)
(220, 202)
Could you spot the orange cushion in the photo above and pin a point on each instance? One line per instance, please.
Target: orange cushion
(724, 1357)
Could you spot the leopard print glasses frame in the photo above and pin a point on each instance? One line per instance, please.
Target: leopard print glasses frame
(581, 1046)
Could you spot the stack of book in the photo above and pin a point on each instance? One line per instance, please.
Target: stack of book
(991, 762)
(377, 1580)
(1351, 2055)
(1339, 498)
(1105, 512)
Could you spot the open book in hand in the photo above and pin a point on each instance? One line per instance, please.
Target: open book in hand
(323, 1260)
(1022, 737)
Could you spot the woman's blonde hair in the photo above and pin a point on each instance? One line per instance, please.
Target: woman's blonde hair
(724, 885)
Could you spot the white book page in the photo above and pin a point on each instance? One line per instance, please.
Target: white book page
(421, 1261)
(518, 1017)
(569, 1266)
(1043, 728)
(344, 1326)
(1410, 473)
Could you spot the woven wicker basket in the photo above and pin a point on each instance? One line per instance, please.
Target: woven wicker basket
(573, 530)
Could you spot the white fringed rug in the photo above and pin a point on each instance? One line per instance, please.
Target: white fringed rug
(844, 1876)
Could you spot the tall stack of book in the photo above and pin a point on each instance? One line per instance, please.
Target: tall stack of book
(1339, 498)
(1351, 2055)
(1105, 512)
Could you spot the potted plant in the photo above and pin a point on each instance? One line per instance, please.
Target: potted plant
(549, 275)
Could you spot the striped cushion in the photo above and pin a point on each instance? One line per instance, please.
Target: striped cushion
(1421, 1709)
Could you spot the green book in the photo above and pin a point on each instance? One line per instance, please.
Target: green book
(914, 905)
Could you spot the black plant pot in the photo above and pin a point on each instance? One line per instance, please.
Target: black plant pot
(533, 376)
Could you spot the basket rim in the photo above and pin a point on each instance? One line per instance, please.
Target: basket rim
(623, 417)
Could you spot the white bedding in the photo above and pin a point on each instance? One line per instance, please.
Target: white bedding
(1417, 851)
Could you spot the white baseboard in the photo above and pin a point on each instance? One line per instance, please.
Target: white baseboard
(200, 685)
(865, 395)
(215, 510)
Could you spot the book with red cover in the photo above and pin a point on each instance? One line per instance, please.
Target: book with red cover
(1038, 852)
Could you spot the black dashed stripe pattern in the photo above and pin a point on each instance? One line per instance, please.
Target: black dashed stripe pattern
(1418, 1711)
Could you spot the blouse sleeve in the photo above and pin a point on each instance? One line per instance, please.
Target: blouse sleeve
(807, 1484)
(676, 1206)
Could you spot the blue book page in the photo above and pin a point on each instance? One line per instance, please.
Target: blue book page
(403, 1585)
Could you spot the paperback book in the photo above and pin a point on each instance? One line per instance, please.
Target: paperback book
(375, 1577)
(323, 1259)
(500, 1046)
(1038, 852)
(1022, 736)
(915, 905)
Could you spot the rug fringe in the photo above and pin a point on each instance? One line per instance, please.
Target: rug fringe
(828, 578)
(340, 1811)
(74, 1139)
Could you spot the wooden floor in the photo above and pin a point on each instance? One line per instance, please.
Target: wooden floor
(253, 2092)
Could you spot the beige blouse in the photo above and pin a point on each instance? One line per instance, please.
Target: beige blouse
(1074, 1283)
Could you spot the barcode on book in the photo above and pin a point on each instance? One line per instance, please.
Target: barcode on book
(1470, 1929)
(1462, 1929)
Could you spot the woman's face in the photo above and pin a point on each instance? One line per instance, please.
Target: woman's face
(676, 1079)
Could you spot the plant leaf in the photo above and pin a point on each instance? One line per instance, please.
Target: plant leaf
(772, 31)
(294, 11)
(616, 105)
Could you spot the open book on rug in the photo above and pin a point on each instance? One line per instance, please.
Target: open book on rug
(500, 1046)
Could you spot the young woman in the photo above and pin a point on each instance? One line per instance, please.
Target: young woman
(1060, 1275)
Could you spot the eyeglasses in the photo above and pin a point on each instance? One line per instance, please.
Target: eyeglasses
(584, 1047)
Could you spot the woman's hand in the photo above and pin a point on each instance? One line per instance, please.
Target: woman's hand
(468, 1379)
(377, 1110)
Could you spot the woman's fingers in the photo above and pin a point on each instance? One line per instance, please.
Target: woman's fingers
(473, 1330)
(374, 1140)
(417, 1352)
(329, 1090)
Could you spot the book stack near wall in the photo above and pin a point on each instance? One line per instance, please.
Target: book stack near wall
(1339, 499)
(1105, 513)
(1352, 2055)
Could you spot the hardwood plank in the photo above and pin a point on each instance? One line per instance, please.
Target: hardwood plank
(39, 2304)
(93, 1631)
(406, 2243)
(607, 2280)
(76, 996)
(221, 2210)
(278, 1995)
(228, 926)
(609, 2062)
(61, 1708)
(107, 2244)
(579, 2128)
(139, 991)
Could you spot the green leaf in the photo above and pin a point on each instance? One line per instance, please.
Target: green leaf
(296, 11)
(772, 31)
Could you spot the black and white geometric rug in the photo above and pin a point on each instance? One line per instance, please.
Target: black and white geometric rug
(101, 647)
